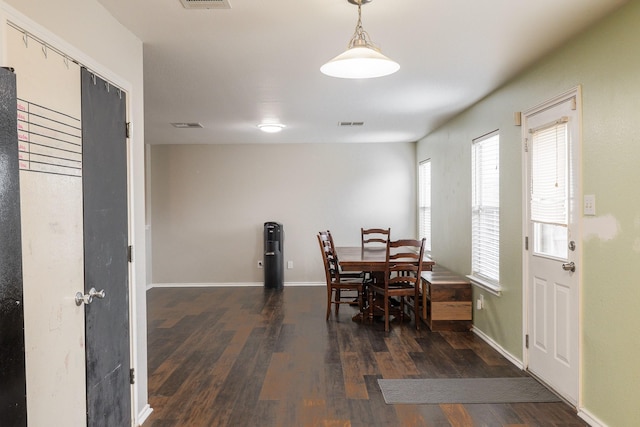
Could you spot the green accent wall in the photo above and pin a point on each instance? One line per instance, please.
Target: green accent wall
(605, 62)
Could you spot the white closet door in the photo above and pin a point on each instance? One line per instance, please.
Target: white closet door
(50, 144)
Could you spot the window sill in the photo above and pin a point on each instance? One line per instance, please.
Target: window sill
(492, 288)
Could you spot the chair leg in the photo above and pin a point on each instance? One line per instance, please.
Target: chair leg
(386, 313)
(337, 301)
(329, 292)
(416, 310)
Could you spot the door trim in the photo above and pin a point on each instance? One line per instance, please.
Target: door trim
(575, 92)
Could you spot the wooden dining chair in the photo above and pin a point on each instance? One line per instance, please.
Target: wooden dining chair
(374, 238)
(402, 279)
(349, 274)
(336, 284)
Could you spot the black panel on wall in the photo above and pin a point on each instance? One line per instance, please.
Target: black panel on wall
(13, 401)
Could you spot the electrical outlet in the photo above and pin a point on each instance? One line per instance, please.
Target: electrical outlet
(259, 263)
(480, 302)
(290, 265)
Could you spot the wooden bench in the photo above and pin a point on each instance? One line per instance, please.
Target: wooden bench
(446, 300)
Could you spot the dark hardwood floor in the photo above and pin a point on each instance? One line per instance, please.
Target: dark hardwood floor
(249, 356)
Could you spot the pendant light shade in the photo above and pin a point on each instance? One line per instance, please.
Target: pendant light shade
(360, 63)
(362, 59)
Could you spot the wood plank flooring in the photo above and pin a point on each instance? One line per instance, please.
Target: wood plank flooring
(251, 356)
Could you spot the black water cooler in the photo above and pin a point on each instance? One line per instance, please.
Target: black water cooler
(273, 257)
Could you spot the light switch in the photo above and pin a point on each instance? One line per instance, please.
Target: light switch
(589, 204)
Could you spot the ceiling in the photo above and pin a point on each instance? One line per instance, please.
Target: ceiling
(231, 69)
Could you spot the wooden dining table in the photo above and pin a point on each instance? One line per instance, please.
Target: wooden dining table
(354, 258)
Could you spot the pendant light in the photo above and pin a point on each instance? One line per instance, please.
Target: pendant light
(362, 59)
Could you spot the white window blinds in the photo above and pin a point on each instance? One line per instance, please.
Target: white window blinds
(549, 174)
(424, 202)
(485, 227)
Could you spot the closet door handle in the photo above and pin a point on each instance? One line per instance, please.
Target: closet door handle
(88, 298)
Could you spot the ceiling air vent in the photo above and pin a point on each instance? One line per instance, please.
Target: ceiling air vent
(206, 4)
(186, 125)
(348, 124)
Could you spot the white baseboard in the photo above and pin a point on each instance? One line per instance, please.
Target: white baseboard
(144, 414)
(218, 285)
(486, 338)
(590, 419)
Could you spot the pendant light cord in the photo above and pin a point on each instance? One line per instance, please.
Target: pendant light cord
(360, 37)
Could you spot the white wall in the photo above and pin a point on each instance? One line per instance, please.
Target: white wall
(84, 30)
(209, 204)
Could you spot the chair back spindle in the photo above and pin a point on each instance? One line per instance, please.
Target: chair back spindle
(374, 237)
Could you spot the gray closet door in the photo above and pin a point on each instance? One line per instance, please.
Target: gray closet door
(13, 401)
(104, 158)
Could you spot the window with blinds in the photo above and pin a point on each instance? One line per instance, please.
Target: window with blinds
(549, 189)
(424, 202)
(485, 209)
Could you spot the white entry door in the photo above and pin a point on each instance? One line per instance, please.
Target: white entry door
(552, 140)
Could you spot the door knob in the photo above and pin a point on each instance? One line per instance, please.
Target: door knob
(97, 294)
(83, 298)
(88, 298)
(569, 266)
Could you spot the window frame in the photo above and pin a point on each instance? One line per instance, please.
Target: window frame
(485, 212)
(424, 203)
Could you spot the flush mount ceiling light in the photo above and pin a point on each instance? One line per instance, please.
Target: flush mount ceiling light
(271, 127)
(362, 59)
